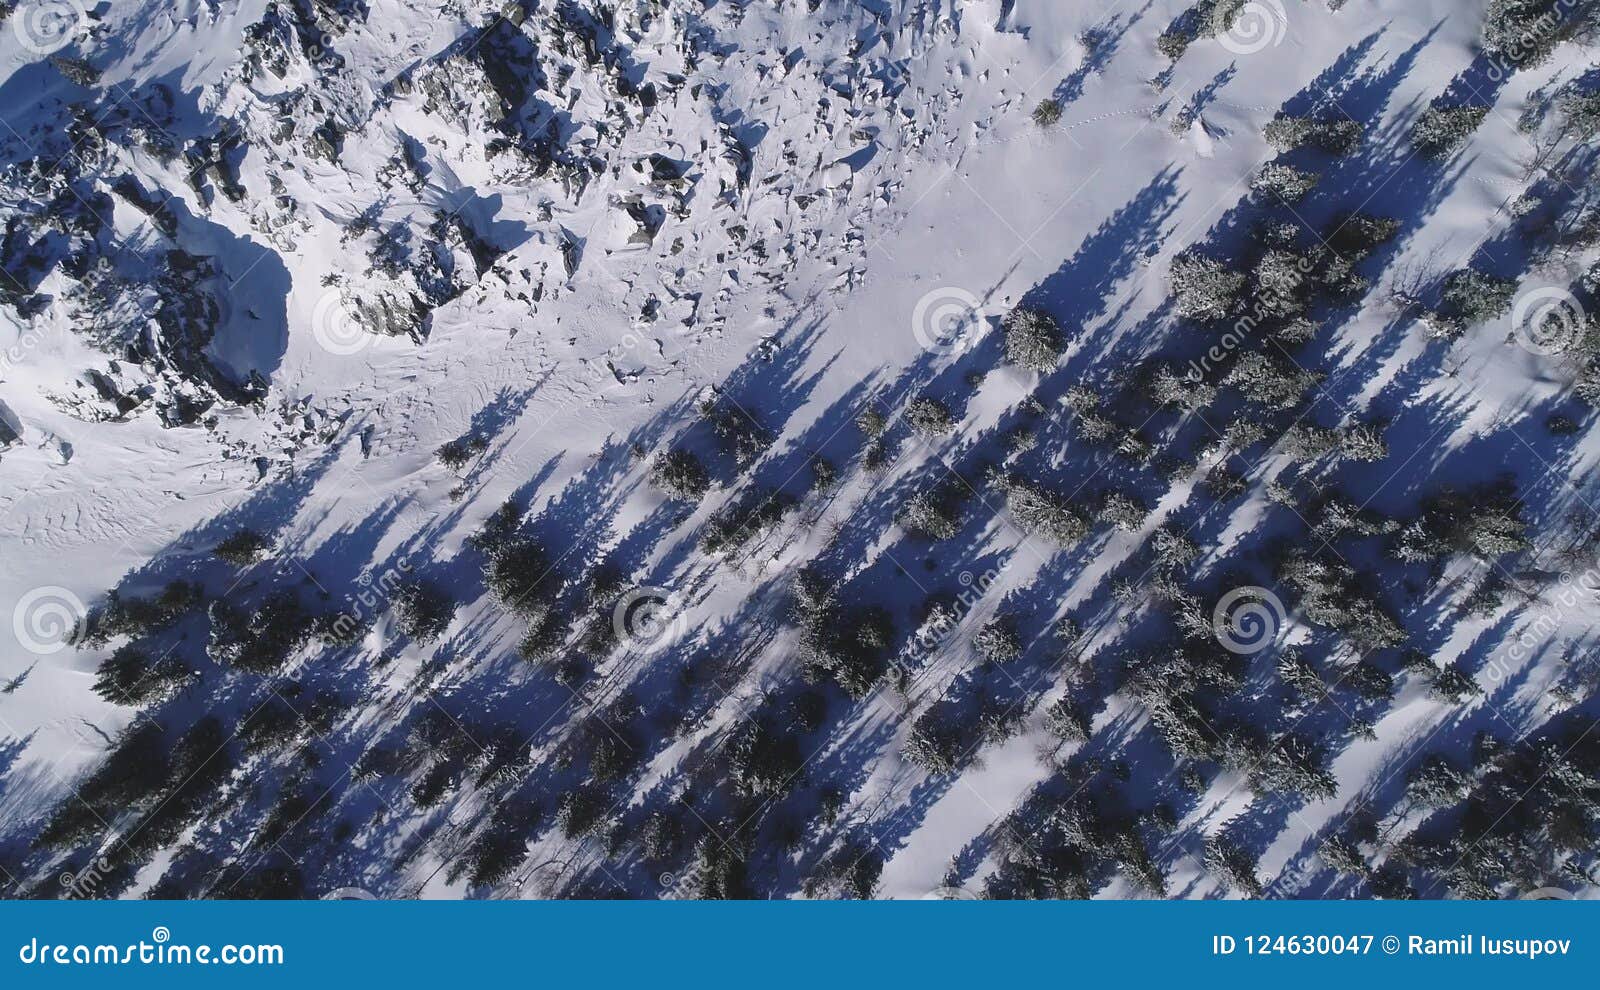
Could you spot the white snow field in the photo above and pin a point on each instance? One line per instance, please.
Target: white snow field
(265, 259)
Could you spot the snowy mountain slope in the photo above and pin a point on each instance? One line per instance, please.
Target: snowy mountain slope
(556, 233)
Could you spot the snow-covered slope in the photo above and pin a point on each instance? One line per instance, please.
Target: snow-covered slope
(268, 258)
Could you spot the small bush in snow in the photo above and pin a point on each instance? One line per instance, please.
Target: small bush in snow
(243, 548)
(1033, 340)
(1173, 43)
(1359, 234)
(1068, 720)
(1233, 865)
(518, 575)
(997, 642)
(1270, 381)
(1047, 113)
(1282, 284)
(1169, 387)
(1473, 297)
(1442, 130)
(680, 474)
(1435, 783)
(1284, 183)
(929, 418)
(1172, 549)
(129, 677)
(1340, 137)
(848, 645)
(1525, 32)
(871, 423)
(933, 514)
(1021, 440)
(1305, 442)
(1205, 289)
(1121, 511)
(1486, 523)
(1582, 114)
(1454, 685)
(458, 453)
(1043, 513)
(422, 611)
